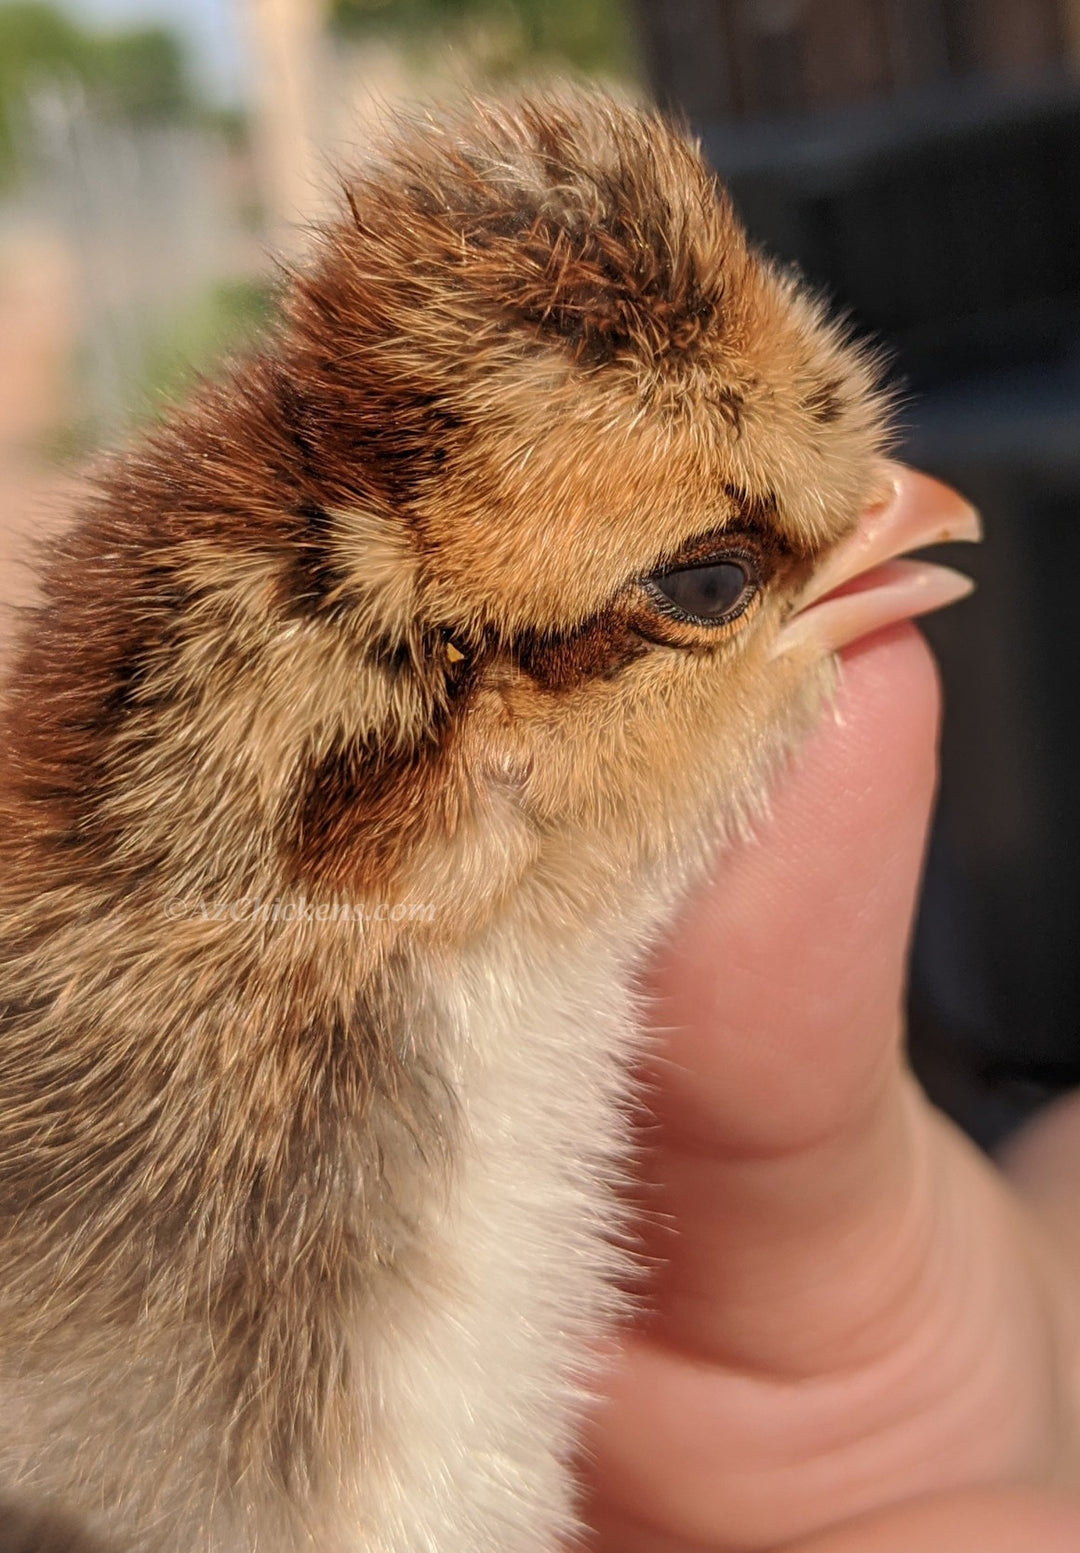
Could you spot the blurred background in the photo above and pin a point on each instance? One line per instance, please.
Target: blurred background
(919, 160)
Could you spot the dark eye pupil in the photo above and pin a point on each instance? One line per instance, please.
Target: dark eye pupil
(706, 592)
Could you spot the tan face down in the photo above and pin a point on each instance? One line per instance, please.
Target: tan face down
(460, 595)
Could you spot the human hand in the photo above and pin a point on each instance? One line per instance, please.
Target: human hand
(863, 1337)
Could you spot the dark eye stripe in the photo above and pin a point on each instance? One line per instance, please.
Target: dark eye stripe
(711, 594)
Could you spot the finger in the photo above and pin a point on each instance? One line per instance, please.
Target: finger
(843, 1315)
(1007, 1520)
(786, 1143)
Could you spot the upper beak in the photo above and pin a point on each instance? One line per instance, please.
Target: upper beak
(861, 586)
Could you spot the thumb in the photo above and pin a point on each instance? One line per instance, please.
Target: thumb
(787, 1151)
(848, 1310)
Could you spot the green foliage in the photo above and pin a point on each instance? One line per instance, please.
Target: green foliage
(34, 40)
(138, 73)
(586, 35)
(227, 318)
(35, 36)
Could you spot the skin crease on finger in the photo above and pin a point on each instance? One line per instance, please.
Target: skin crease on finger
(994, 1521)
(850, 1310)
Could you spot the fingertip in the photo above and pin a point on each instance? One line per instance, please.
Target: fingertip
(890, 691)
(789, 961)
(881, 745)
(855, 797)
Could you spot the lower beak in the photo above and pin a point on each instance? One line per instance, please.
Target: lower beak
(862, 585)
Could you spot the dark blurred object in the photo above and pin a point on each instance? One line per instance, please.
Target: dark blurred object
(748, 60)
(918, 160)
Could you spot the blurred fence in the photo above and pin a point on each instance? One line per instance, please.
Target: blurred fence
(153, 215)
(145, 213)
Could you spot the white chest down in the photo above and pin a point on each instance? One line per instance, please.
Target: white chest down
(483, 1373)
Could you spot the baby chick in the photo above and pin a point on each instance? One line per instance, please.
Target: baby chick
(378, 709)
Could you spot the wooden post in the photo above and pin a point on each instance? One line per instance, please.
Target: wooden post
(290, 55)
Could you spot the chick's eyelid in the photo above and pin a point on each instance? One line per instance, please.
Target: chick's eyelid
(764, 546)
(666, 603)
(713, 555)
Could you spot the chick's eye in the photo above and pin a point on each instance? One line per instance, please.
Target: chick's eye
(712, 593)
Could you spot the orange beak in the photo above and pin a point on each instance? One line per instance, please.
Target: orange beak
(862, 586)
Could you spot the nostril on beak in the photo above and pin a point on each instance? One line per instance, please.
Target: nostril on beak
(862, 585)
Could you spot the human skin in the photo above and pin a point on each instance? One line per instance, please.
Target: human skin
(863, 1335)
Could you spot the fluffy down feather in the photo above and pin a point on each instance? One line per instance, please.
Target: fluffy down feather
(308, 1225)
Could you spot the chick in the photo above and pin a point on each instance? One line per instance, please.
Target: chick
(379, 708)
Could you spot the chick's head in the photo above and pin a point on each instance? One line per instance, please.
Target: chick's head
(583, 447)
